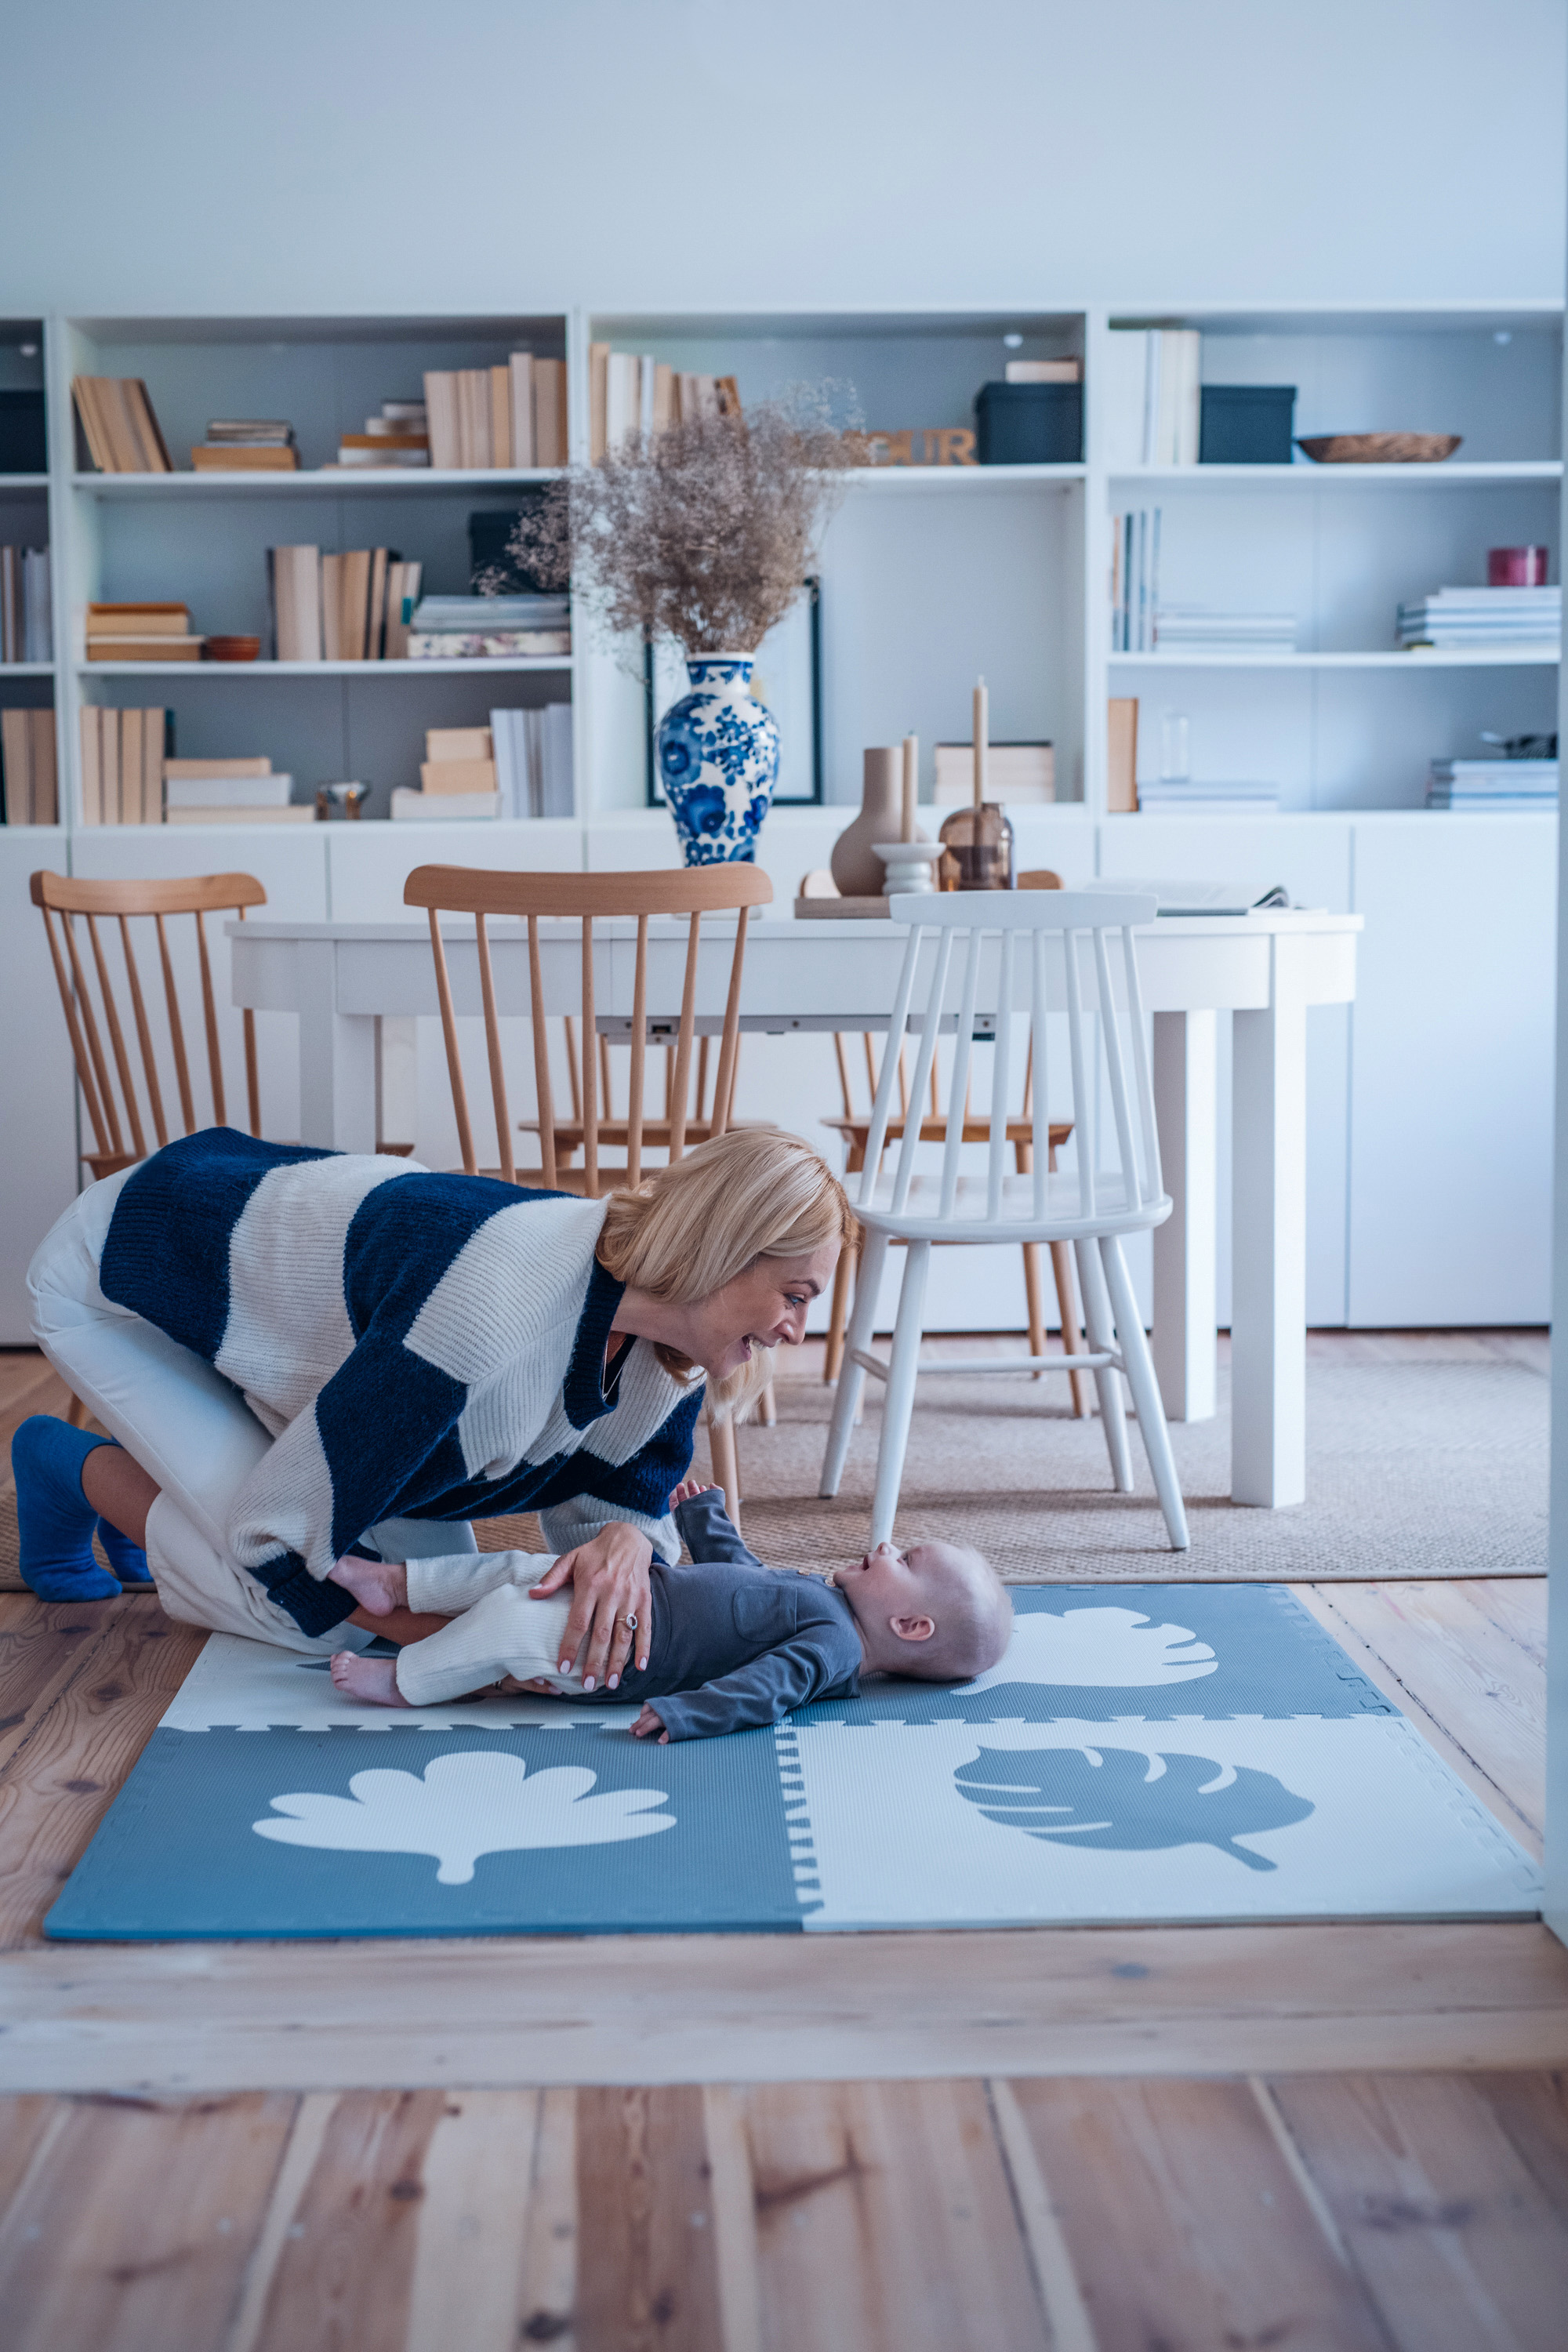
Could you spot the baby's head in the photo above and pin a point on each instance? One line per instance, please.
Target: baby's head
(938, 1611)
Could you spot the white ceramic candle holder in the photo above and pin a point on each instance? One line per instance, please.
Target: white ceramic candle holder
(909, 866)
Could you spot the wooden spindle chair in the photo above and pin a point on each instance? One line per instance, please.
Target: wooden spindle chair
(583, 898)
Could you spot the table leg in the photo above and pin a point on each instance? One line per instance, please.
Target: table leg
(1269, 1248)
(337, 1061)
(1183, 1340)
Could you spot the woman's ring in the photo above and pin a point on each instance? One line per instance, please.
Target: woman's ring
(631, 1623)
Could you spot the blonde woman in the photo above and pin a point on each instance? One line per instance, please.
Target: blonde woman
(304, 1354)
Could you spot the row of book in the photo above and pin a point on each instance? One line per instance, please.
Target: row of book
(353, 606)
(512, 416)
(633, 393)
(473, 628)
(119, 426)
(1492, 785)
(26, 623)
(29, 789)
(1472, 619)
(1134, 580)
(400, 436)
(123, 755)
(1152, 405)
(157, 631)
(247, 444)
(518, 766)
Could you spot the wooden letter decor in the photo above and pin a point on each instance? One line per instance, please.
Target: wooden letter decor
(940, 445)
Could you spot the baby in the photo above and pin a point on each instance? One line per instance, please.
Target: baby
(733, 1644)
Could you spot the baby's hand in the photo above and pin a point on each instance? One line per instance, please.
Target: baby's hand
(687, 1490)
(647, 1724)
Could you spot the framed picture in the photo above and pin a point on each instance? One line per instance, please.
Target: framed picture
(787, 678)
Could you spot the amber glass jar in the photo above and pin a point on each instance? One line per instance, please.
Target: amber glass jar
(978, 843)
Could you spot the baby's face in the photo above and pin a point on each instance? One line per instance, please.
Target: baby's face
(888, 1583)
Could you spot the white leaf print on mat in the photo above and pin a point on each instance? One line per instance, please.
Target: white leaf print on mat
(1098, 1649)
(480, 1801)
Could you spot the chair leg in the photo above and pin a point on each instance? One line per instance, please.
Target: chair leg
(767, 1405)
(1061, 1266)
(1145, 1388)
(900, 1401)
(1034, 1302)
(725, 1458)
(1108, 1382)
(852, 1377)
(76, 1413)
(838, 1317)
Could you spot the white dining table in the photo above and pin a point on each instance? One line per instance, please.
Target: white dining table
(1264, 971)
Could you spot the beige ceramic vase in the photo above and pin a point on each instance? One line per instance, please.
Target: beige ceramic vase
(857, 868)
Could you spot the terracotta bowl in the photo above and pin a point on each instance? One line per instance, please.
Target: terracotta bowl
(1381, 448)
(233, 649)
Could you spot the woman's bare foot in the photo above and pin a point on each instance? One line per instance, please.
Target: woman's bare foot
(379, 1585)
(687, 1490)
(371, 1680)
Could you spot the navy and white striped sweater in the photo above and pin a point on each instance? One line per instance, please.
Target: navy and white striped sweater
(419, 1346)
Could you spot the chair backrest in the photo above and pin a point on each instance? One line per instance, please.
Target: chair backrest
(119, 1134)
(986, 934)
(695, 891)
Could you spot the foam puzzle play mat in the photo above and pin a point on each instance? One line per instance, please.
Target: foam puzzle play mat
(1174, 1753)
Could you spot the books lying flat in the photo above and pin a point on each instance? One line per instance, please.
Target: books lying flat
(496, 644)
(1021, 773)
(1191, 629)
(1455, 619)
(119, 426)
(240, 817)
(238, 458)
(441, 808)
(259, 766)
(465, 778)
(146, 649)
(1189, 797)
(1044, 371)
(485, 614)
(1202, 897)
(1492, 785)
(226, 793)
(28, 783)
(150, 620)
(459, 743)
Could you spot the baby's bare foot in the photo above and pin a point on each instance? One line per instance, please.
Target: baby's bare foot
(371, 1680)
(379, 1585)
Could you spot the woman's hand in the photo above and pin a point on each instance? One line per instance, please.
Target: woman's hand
(609, 1581)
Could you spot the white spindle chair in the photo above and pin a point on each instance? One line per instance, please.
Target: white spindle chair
(980, 957)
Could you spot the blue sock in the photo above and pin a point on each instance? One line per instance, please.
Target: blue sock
(54, 1516)
(128, 1560)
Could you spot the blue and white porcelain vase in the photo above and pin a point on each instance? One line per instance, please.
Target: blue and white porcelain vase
(718, 761)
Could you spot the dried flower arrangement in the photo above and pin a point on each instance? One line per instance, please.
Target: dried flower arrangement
(705, 532)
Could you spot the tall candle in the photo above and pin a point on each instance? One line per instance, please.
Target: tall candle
(982, 739)
(911, 785)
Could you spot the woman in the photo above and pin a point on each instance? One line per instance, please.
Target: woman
(412, 1349)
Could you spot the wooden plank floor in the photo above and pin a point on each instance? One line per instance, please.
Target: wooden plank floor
(1083, 2139)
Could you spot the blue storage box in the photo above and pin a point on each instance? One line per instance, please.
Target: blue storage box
(1029, 424)
(1247, 424)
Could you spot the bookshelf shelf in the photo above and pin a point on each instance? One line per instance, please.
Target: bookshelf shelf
(25, 669)
(11, 482)
(1450, 475)
(961, 477)
(1531, 657)
(309, 483)
(537, 665)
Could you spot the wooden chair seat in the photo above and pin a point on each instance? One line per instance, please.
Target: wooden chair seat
(934, 1130)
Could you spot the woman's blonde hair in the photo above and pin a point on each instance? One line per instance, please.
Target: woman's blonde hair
(689, 1229)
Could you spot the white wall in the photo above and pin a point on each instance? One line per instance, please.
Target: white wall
(377, 155)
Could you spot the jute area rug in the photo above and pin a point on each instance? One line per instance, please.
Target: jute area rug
(1427, 1456)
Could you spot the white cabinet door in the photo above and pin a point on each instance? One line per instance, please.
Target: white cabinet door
(1451, 1084)
(38, 1087)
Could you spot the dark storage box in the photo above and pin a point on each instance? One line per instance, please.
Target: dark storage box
(1247, 424)
(22, 433)
(1029, 424)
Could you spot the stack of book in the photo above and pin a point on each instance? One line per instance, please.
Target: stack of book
(534, 760)
(145, 632)
(27, 779)
(465, 628)
(512, 416)
(352, 606)
(457, 778)
(1492, 785)
(1185, 796)
(1153, 396)
(27, 626)
(122, 766)
(229, 791)
(247, 444)
(632, 393)
(1042, 371)
(1134, 580)
(1018, 774)
(1189, 629)
(400, 436)
(119, 427)
(1472, 620)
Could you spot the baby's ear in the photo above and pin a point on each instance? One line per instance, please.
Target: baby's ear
(913, 1629)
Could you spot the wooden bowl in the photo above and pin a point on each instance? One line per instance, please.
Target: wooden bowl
(232, 648)
(1380, 448)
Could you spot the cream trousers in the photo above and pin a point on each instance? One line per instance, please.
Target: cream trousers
(189, 1429)
(496, 1629)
